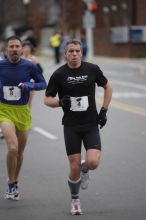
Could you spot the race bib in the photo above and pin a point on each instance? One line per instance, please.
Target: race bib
(11, 93)
(79, 104)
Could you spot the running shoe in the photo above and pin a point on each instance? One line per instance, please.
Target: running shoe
(84, 176)
(11, 192)
(17, 193)
(75, 207)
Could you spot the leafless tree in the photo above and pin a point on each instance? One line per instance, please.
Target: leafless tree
(72, 11)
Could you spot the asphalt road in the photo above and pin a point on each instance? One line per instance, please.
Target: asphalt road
(117, 189)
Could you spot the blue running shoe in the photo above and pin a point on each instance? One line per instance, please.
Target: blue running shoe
(11, 192)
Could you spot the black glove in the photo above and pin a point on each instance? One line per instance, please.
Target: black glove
(102, 119)
(65, 102)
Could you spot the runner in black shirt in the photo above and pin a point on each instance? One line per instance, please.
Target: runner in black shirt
(75, 84)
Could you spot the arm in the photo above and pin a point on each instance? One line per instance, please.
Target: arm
(65, 102)
(50, 95)
(51, 102)
(28, 86)
(102, 118)
(39, 80)
(107, 95)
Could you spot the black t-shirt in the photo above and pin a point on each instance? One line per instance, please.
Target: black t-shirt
(80, 84)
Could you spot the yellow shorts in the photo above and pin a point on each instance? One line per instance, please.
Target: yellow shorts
(19, 115)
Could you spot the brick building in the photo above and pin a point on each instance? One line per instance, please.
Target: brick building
(120, 25)
(120, 28)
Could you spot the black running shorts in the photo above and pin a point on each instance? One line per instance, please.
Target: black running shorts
(87, 134)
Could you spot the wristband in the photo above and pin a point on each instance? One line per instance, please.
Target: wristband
(104, 109)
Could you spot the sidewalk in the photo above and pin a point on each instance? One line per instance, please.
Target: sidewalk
(138, 64)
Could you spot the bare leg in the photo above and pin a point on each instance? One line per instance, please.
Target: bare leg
(11, 139)
(16, 142)
(91, 163)
(75, 162)
(92, 158)
(22, 139)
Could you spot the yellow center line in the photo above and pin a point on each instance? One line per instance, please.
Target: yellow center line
(126, 107)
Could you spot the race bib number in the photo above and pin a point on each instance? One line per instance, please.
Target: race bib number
(11, 93)
(79, 104)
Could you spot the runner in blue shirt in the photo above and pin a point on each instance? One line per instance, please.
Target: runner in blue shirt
(15, 116)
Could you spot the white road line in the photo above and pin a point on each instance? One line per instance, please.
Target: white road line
(125, 95)
(128, 84)
(126, 107)
(114, 73)
(44, 133)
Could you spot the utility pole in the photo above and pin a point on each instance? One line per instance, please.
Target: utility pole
(89, 23)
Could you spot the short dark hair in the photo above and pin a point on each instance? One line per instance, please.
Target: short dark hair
(27, 43)
(72, 41)
(14, 37)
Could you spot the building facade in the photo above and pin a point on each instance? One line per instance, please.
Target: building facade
(120, 28)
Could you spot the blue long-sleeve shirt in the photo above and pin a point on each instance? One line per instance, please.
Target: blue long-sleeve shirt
(12, 74)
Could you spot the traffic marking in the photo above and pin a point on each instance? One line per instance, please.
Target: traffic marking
(44, 133)
(125, 107)
(129, 108)
(126, 95)
(129, 84)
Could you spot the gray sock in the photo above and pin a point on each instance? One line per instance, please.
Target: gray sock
(74, 188)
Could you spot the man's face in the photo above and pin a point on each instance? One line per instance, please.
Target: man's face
(14, 50)
(73, 55)
(26, 50)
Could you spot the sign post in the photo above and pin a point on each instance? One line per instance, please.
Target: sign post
(89, 23)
